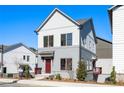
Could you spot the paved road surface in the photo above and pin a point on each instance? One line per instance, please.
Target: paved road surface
(15, 85)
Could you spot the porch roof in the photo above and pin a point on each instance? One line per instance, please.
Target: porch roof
(47, 53)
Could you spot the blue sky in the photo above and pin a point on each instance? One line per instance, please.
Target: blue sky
(18, 23)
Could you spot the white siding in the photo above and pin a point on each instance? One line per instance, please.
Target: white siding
(106, 65)
(118, 39)
(13, 57)
(56, 26)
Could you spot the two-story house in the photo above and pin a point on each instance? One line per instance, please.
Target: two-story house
(63, 42)
(116, 14)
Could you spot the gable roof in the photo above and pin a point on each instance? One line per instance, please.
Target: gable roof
(52, 13)
(83, 21)
(110, 10)
(12, 47)
(79, 22)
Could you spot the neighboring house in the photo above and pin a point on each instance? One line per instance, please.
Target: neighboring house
(116, 14)
(63, 42)
(17, 55)
(104, 58)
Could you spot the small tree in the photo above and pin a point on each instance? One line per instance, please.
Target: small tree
(113, 76)
(26, 71)
(81, 71)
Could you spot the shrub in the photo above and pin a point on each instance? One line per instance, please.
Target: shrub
(58, 77)
(81, 71)
(26, 71)
(113, 76)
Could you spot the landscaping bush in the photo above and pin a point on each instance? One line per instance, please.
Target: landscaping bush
(113, 76)
(81, 71)
(58, 77)
(26, 72)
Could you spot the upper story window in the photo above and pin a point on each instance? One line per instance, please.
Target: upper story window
(66, 39)
(48, 41)
(26, 58)
(23, 57)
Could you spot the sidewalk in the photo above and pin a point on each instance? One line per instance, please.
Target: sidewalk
(52, 83)
(59, 84)
(4, 80)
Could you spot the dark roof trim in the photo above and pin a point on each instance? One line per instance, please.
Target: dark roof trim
(110, 10)
(91, 20)
(12, 47)
(52, 13)
(104, 40)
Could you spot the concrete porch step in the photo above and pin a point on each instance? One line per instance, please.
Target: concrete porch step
(102, 77)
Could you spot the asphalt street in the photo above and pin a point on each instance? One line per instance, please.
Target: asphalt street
(2, 84)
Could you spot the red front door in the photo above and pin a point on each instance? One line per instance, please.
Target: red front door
(48, 66)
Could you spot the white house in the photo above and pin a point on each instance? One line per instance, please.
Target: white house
(116, 14)
(63, 42)
(17, 55)
(104, 59)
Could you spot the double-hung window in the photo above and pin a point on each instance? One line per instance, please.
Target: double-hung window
(48, 41)
(66, 64)
(66, 39)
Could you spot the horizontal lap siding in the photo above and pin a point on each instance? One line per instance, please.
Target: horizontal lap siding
(118, 40)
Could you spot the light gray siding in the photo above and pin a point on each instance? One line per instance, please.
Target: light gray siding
(62, 52)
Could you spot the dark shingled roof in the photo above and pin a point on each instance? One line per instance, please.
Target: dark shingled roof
(81, 21)
(9, 48)
(3, 47)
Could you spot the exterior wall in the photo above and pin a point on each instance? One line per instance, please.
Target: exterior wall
(15, 57)
(106, 65)
(104, 58)
(87, 57)
(103, 49)
(56, 26)
(62, 52)
(88, 49)
(87, 38)
(118, 39)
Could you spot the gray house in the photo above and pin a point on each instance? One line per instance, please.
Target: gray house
(104, 58)
(63, 42)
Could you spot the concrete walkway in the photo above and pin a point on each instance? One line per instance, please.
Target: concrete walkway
(59, 84)
(42, 83)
